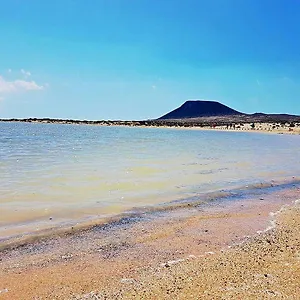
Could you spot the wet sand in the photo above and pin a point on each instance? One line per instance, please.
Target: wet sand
(227, 249)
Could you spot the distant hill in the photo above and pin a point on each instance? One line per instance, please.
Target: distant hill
(200, 108)
(191, 113)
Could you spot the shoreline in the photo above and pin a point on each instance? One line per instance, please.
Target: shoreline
(259, 127)
(266, 129)
(275, 127)
(78, 226)
(126, 261)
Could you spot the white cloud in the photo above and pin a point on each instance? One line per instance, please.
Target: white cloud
(153, 87)
(25, 73)
(6, 86)
(28, 85)
(19, 85)
(9, 70)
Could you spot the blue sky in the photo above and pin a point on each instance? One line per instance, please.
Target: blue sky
(138, 59)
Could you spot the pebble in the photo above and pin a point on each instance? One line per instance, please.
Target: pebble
(127, 280)
(3, 291)
(67, 256)
(172, 262)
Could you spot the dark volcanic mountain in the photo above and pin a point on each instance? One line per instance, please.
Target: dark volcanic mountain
(200, 108)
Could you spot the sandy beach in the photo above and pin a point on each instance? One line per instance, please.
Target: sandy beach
(242, 249)
(149, 150)
(263, 127)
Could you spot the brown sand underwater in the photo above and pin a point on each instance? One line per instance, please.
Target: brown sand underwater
(193, 252)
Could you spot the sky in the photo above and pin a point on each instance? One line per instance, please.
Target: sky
(139, 59)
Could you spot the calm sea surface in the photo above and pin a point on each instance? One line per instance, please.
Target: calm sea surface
(52, 175)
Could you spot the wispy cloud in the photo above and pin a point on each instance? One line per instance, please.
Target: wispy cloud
(19, 85)
(25, 73)
(258, 82)
(9, 70)
(27, 85)
(153, 87)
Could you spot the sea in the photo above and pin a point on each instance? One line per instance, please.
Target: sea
(57, 175)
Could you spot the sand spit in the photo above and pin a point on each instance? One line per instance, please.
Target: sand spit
(190, 253)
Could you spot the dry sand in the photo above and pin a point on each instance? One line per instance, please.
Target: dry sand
(265, 267)
(177, 254)
(269, 128)
(275, 128)
(266, 128)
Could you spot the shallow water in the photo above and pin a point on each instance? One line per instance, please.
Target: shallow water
(52, 175)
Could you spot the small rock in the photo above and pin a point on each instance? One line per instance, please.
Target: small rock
(3, 291)
(67, 256)
(127, 280)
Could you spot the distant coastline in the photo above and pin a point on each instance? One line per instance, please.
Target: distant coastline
(192, 113)
(257, 122)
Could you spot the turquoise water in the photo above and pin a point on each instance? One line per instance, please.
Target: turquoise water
(53, 175)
